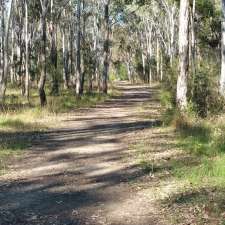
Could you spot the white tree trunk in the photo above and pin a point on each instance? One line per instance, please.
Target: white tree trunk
(27, 79)
(183, 54)
(79, 70)
(149, 47)
(222, 76)
(161, 67)
(157, 57)
(193, 41)
(12, 59)
(5, 22)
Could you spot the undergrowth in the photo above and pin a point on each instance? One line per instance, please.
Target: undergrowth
(187, 151)
(202, 165)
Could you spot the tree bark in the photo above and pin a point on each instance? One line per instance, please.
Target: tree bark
(222, 76)
(78, 66)
(43, 57)
(193, 41)
(183, 55)
(54, 53)
(106, 48)
(5, 47)
(65, 61)
(27, 78)
(157, 58)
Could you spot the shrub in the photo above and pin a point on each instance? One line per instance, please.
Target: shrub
(204, 94)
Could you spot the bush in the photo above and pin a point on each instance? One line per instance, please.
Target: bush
(170, 81)
(205, 97)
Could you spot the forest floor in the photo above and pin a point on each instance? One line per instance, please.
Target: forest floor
(92, 169)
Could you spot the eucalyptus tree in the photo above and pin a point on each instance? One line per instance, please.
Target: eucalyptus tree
(41, 85)
(78, 50)
(27, 78)
(65, 27)
(222, 77)
(2, 50)
(183, 55)
(106, 46)
(6, 16)
(53, 30)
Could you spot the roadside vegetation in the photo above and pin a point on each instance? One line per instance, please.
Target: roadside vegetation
(22, 121)
(186, 157)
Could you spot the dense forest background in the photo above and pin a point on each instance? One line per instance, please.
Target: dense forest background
(81, 45)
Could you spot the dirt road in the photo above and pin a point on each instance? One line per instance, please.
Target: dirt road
(83, 173)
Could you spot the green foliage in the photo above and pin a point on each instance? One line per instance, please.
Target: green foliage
(205, 141)
(166, 99)
(168, 103)
(201, 92)
(204, 94)
(13, 123)
(208, 23)
(170, 79)
(123, 75)
(113, 76)
(202, 140)
(138, 65)
(205, 7)
(121, 71)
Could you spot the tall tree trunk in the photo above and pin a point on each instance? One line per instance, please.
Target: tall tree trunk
(183, 55)
(54, 53)
(106, 48)
(128, 69)
(222, 76)
(143, 63)
(5, 46)
(78, 66)
(2, 68)
(157, 58)
(83, 73)
(172, 33)
(43, 57)
(12, 74)
(193, 41)
(65, 60)
(149, 47)
(143, 54)
(27, 78)
(161, 66)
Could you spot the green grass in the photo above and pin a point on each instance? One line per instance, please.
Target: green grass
(197, 167)
(205, 141)
(14, 124)
(200, 167)
(67, 102)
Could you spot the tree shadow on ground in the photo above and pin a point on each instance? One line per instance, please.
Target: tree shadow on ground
(71, 182)
(53, 200)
